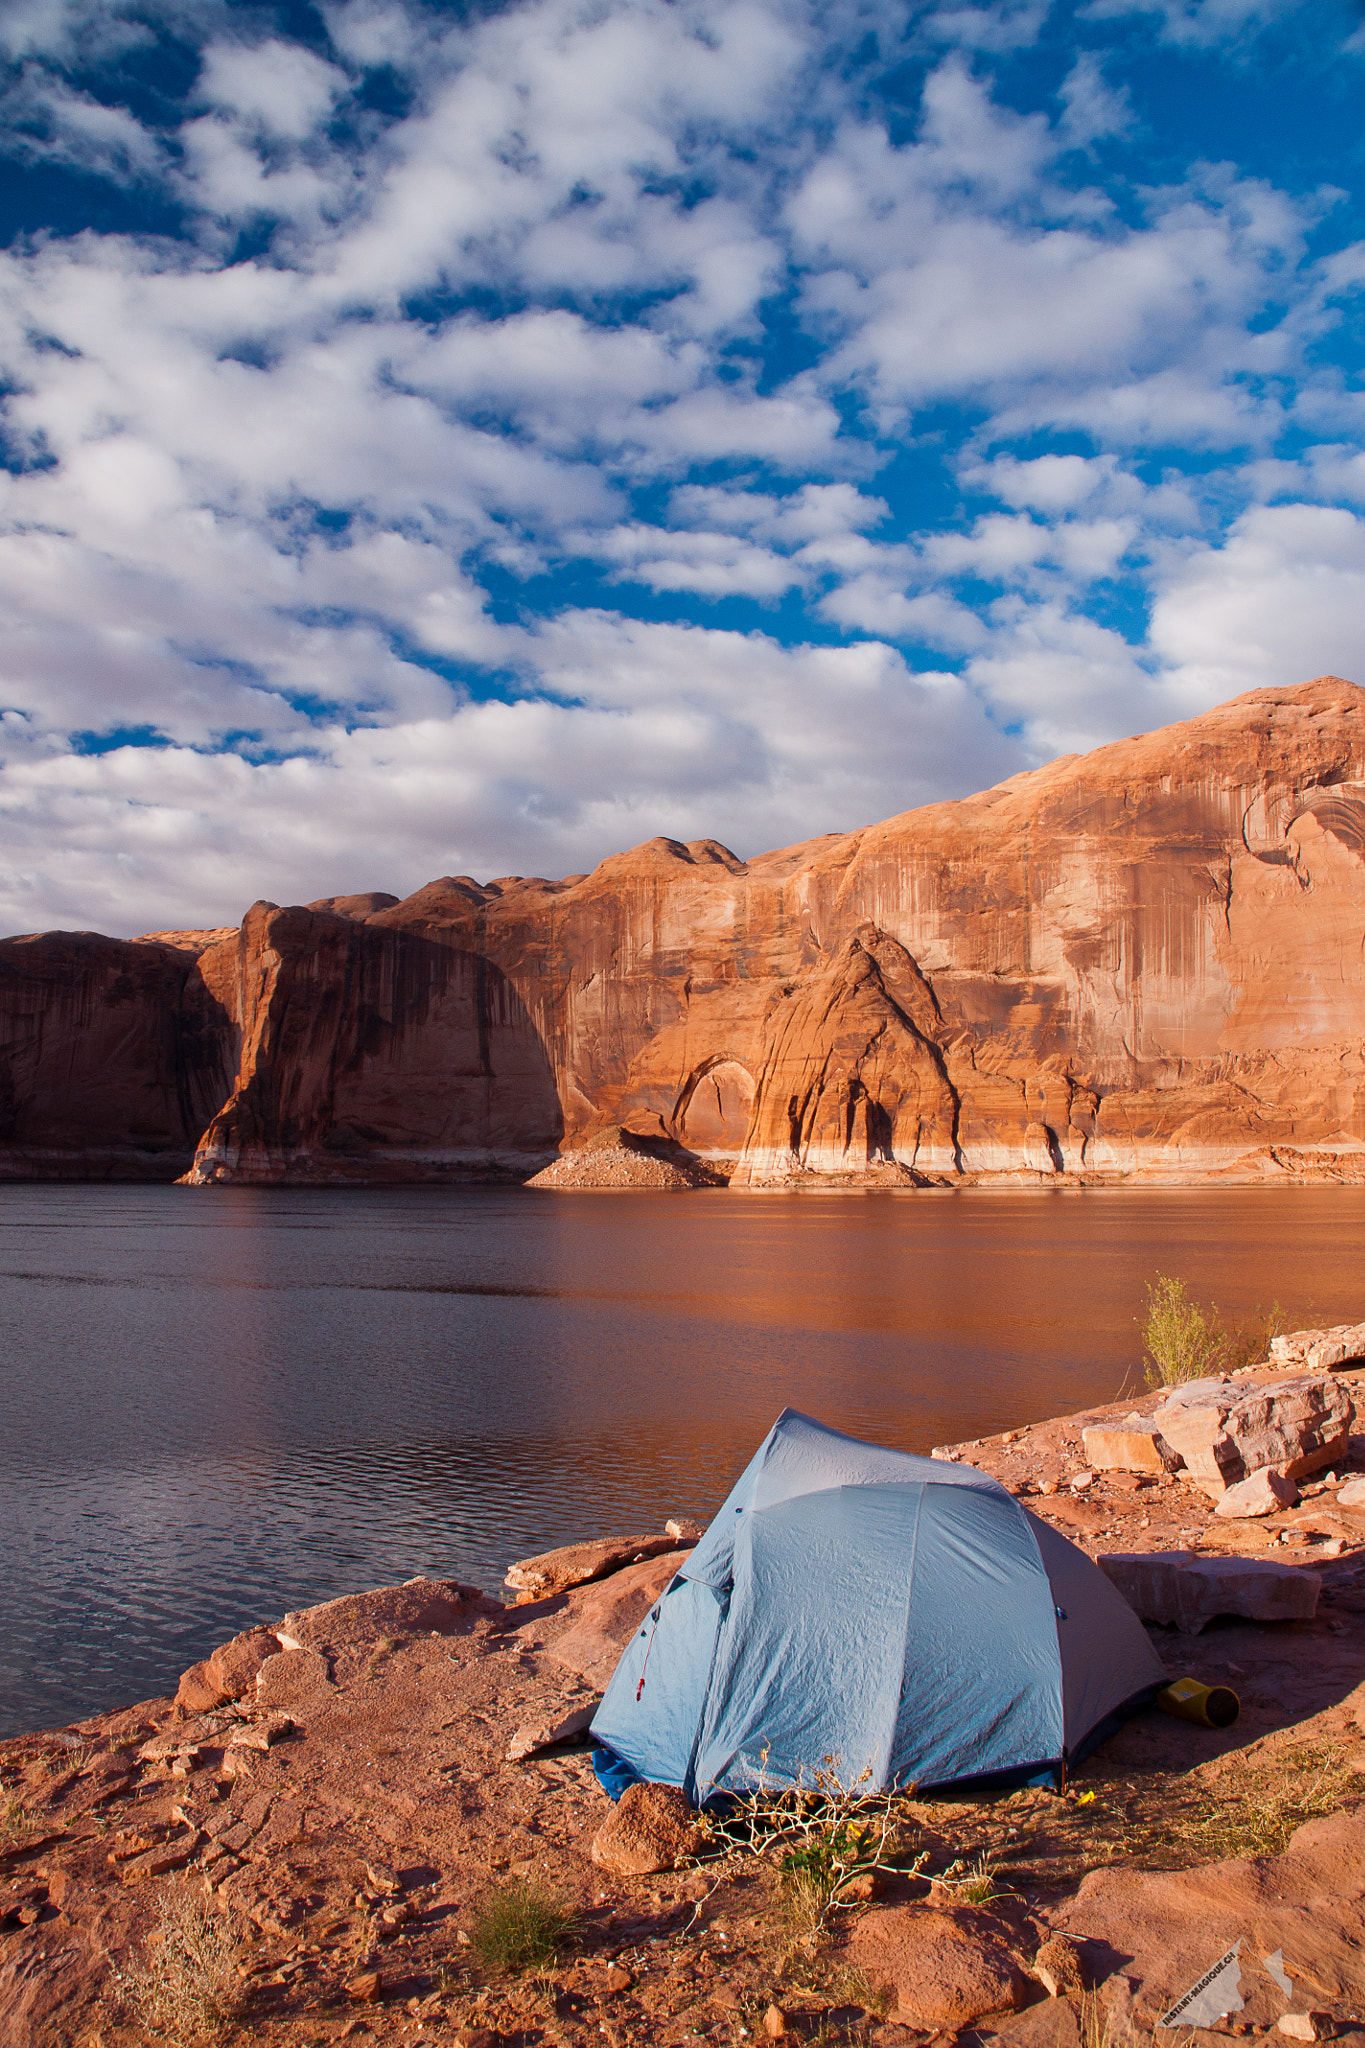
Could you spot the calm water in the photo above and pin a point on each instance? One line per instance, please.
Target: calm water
(219, 1404)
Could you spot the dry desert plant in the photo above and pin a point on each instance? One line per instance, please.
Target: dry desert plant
(15, 1822)
(823, 1833)
(1259, 1818)
(522, 1927)
(188, 1983)
(1182, 1341)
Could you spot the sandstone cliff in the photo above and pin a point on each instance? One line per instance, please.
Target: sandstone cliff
(1150, 959)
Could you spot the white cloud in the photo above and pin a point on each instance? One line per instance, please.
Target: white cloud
(1092, 109)
(320, 496)
(273, 87)
(643, 729)
(1282, 598)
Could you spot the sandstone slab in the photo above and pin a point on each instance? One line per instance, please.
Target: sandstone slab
(650, 1828)
(1320, 1350)
(1162, 1930)
(1131, 1446)
(293, 1678)
(946, 1969)
(420, 1607)
(1184, 1589)
(577, 1564)
(606, 1616)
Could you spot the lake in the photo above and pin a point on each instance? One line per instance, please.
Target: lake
(219, 1404)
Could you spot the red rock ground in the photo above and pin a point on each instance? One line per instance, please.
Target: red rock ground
(366, 1838)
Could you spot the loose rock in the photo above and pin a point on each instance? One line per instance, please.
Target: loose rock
(1131, 1446)
(1320, 1350)
(534, 1735)
(651, 1828)
(1057, 1966)
(1225, 1431)
(1265, 1493)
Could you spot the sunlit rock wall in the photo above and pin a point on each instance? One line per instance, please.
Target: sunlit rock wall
(1147, 960)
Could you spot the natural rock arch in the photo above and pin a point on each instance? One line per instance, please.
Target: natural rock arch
(716, 1109)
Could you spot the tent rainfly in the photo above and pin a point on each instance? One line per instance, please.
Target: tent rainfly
(857, 1609)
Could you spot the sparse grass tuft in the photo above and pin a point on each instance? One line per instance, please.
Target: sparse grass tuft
(15, 1822)
(1259, 1818)
(974, 1883)
(1182, 1341)
(1096, 2025)
(522, 1927)
(188, 1984)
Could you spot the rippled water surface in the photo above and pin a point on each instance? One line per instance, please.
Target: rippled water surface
(219, 1404)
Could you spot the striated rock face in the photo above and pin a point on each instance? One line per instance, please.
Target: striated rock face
(113, 1056)
(1149, 960)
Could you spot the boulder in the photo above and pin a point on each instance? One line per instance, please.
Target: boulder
(1320, 1350)
(1352, 1494)
(947, 1969)
(605, 1617)
(1129, 1446)
(420, 1607)
(229, 1674)
(1224, 1431)
(1180, 1587)
(651, 1828)
(577, 1564)
(1265, 1493)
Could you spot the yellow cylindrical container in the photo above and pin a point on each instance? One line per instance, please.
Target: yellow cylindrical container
(1212, 1706)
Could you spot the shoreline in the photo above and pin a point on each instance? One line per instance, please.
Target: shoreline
(371, 1734)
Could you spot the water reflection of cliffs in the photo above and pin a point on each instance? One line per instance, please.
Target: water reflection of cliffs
(1150, 958)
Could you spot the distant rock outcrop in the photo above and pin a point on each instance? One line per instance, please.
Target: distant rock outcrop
(1147, 960)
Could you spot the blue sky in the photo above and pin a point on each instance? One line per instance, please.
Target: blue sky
(475, 439)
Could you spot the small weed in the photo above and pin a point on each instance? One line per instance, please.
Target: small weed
(188, 1984)
(1095, 2024)
(15, 1821)
(1182, 1341)
(522, 1927)
(823, 1835)
(974, 1883)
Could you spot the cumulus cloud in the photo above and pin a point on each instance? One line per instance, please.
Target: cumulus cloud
(1283, 594)
(367, 514)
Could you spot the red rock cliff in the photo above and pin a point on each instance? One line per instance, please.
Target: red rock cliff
(1147, 959)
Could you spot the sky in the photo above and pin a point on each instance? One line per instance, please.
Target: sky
(449, 439)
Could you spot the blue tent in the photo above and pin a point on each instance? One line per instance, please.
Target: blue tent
(905, 1616)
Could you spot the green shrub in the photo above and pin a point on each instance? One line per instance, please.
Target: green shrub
(522, 1927)
(1183, 1341)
